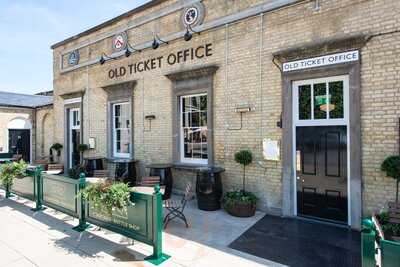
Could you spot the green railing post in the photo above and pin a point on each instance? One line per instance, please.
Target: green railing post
(368, 243)
(8, 191)
(38, 179)
(83, 225)
(158, 256)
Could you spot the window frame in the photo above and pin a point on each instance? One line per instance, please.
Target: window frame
(182, 157)
(327, 121)
(114, 130)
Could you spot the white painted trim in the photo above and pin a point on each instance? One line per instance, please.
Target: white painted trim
(70, 128)
(113, 130)
(328, 122)
(72, 101)
(181, 141)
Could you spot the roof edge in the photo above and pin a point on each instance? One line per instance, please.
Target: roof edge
(138, 9)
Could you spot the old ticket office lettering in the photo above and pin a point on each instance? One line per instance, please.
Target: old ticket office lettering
(181, 56)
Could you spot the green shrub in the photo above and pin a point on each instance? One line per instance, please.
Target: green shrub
(233, 197)
(10, 171)
(244, 157)
(391, 165)
(107, 196)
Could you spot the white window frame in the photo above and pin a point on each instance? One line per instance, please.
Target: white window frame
(322, 122)
(114, 131)
(181, 141)
(73, 126)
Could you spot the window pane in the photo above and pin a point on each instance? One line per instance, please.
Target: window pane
(203, 103)
(336, 100)
(125, 141)
(196, 136)
(188, 150)
(305, 102)
(320, 101)
(194, 123)
(117, 110)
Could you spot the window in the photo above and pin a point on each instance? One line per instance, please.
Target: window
(193, 130)
(75, 119)
(121, 130)
(321, 101)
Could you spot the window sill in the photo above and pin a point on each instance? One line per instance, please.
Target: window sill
(118, 160)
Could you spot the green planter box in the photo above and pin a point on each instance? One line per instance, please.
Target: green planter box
(390, 253)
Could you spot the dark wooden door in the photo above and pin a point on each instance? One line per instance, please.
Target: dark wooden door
(19, 142)
(321, 154)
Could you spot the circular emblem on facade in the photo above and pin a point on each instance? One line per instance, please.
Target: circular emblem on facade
(73, 58)
(193, 15)
(119, 41)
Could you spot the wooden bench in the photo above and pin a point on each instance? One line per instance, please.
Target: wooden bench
(149, 181)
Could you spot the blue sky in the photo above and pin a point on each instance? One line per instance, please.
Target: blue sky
(29, 27)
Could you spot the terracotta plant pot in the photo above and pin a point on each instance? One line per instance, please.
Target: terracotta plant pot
(240, 209)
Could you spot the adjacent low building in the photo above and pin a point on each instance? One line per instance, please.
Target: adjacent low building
(26, 123)
(310, 87)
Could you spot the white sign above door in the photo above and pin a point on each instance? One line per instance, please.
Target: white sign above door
(321, 61)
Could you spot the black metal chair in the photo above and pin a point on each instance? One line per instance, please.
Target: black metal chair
(176, 208)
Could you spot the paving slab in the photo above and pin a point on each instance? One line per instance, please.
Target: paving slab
(46, 239)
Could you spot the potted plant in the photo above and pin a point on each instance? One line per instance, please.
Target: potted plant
(391, 165)
(10, 171)
(241, 203)
(108, 196)
(82, 148)
(74, 172)
(57, 147)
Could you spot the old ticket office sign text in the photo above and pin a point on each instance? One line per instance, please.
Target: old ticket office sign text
(173, 58)
(321, 61)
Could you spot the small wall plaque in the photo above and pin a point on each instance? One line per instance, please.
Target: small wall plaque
(92, 143)
(271, 149)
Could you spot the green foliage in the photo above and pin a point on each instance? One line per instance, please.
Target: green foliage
(74, 172)
(12, 170)
(391, 165)
(387, 227)
(83, 147)
(107, 195)
(239, 196)
(57, 146)
(244, 157)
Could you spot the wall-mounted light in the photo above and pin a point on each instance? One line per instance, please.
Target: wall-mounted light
(150, 117)
(189, 33)
(157, 41)
(130, 49)
(242, 109)
(104, 58)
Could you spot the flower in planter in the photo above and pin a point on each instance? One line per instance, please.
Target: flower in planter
(10, 171)
(107, 196)
(57, 147)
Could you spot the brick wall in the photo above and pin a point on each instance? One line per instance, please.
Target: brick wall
(249, 77)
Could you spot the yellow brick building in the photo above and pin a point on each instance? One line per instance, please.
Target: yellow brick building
(319, 80)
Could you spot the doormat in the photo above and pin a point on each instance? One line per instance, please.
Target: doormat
(299, 243)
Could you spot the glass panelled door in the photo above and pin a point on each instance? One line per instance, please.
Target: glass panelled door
(321, 150)
(74, 137)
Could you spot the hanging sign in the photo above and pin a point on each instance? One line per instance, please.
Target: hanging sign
(321, 61)
(119, 42)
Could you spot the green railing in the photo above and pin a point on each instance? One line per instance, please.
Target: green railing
(141, 220)
(377, 251)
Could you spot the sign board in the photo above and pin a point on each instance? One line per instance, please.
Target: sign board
(271, 149)
(321, 61)
(119, 41)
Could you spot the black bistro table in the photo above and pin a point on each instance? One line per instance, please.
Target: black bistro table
(164, 171)
(125, 170)
(209, 188)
